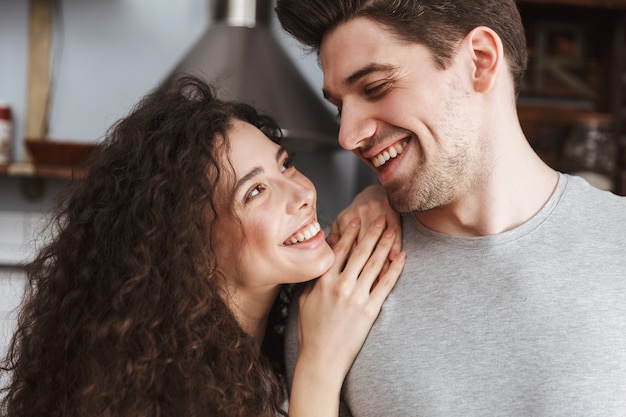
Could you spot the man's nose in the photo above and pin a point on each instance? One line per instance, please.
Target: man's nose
(355, 126)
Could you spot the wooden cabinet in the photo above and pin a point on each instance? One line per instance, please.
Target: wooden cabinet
(577, 69)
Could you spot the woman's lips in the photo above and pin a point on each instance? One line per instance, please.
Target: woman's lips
(304, 234)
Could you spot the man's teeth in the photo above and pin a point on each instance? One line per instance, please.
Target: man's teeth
(304, 234)
(387, 154)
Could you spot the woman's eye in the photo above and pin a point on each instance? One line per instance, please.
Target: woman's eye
(256, 190)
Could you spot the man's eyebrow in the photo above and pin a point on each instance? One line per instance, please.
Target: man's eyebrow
(360, 73)
(280, 152)
(256, 171)
(368, 69)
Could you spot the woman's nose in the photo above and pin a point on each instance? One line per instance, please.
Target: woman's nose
(302, 195)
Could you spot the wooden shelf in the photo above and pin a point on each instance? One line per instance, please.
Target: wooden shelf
(30, 170)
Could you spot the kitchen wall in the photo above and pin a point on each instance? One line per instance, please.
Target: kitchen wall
(106, 55)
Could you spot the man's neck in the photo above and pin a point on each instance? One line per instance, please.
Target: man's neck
(514, 191)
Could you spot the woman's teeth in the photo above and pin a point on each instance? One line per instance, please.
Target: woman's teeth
(387, 154)
(304, 234)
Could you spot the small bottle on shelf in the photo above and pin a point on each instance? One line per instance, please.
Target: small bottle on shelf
(6, 132)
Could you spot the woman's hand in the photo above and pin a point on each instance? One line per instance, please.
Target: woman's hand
(336, 312)
(368, 205)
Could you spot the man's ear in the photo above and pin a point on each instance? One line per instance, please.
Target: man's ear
(487, 56)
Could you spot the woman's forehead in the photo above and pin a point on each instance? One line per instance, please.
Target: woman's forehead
(249, 147)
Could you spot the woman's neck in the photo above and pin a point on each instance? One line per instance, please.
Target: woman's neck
(251, 307)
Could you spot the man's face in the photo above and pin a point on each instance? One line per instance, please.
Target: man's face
(412, 122)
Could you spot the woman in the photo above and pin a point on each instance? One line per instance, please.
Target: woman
(161, 292)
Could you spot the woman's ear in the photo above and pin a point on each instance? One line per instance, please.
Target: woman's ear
(487, 56)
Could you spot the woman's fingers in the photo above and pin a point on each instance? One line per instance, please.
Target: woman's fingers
(385, 282)
(394, 222)
(365, 248)
(378, 263)
(369, 275)
(344, 244)
(367, 205)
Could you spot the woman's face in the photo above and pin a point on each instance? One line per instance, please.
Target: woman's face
(276, 238)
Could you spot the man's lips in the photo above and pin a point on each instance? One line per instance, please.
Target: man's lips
(390, 153)
(304, 234)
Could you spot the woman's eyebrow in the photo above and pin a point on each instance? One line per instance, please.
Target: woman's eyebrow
(257, 171)
(247, 178)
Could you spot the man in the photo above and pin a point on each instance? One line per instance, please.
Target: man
(512, 300)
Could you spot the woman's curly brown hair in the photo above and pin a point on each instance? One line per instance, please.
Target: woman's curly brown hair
(123, 314)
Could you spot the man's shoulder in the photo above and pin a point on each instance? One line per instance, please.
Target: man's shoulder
(582, 192)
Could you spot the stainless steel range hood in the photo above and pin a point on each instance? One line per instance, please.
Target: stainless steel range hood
(239, 54)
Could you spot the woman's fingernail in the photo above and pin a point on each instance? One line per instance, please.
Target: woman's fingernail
(400, 257)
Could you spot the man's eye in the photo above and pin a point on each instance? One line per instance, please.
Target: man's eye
(377, 88)
(287, 163)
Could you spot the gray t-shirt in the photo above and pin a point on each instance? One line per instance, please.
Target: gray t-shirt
(529, 322)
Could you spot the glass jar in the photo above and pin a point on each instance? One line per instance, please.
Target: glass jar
(590, 150)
